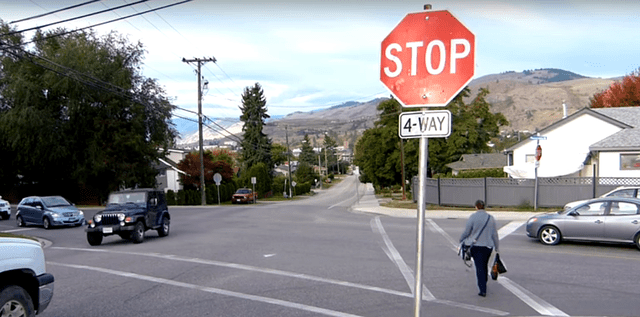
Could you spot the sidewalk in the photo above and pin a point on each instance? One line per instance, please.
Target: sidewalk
(368, 203)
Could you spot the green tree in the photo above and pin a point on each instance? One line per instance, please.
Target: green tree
(256, 146)
(305, 174)
(278, 154)
(473, 125)
(307, 155)
(378, 150)
(329, 148)
(263, 178)
(77, 112)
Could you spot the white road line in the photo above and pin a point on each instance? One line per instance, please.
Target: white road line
(210, 290)
(346, 200)
(17, 230)
(535, 302)
(509, 228)
(282, 273)
(395, 256)
(247, 268)
(407, 273)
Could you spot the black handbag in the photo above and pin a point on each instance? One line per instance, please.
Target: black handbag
(465, 250)
(497, 268)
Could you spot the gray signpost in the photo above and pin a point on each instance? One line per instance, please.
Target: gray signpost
(426, 60)
(217, 178)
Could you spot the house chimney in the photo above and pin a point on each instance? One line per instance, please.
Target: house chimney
(564, 110)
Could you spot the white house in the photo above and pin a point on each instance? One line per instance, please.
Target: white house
(604, 141)
(168, 177)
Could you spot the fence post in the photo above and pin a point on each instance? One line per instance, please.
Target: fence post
(593, 181)
(486, 203)
(439, 202)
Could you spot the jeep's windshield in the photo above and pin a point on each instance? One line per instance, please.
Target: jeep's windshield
(124, 198)
(243, 191)
(55, 201)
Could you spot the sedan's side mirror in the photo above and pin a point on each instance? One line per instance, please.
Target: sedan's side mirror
(38, 207)
(153, 201)
(574, 213)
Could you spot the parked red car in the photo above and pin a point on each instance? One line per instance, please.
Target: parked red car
(244, 195)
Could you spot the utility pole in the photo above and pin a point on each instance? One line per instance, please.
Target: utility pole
(199, 62)
(286, 135)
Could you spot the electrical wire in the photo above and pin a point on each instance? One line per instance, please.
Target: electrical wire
(97, 24)
(74, 18)
(54, 12)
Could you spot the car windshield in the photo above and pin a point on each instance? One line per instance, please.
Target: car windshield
(55, 201)
(124, 198)
(243, 191)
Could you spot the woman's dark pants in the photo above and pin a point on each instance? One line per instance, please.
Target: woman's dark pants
(480, 257)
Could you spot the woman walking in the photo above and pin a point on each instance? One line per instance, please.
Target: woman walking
(482, 235)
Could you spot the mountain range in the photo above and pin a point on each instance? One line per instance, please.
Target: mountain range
(530, 100)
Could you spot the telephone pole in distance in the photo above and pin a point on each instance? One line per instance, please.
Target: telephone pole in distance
(199, 62)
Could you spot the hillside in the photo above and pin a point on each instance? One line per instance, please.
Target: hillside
(531, 99)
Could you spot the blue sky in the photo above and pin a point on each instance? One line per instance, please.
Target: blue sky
(310, 55)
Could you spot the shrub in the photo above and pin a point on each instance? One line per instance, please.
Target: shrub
(171, 198)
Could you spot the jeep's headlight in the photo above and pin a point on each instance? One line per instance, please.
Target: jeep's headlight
(97, 218)
(121, 217)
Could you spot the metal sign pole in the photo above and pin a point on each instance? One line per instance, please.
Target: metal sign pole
(422, 187)
(535, 190)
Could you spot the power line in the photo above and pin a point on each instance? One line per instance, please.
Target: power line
(98, 24)
(75, 18)
(54, 12)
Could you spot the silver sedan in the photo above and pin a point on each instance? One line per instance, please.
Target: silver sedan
(611, 219)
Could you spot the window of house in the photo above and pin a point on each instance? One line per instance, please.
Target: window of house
(530, 158)
(630, 161)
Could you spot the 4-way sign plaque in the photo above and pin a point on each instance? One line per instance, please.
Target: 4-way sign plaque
(429, 124)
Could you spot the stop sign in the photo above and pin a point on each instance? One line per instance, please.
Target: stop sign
(427, 59)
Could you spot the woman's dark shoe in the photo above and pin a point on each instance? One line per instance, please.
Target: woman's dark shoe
(482, 294)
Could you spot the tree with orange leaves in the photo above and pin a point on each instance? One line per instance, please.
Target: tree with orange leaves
(625, 93)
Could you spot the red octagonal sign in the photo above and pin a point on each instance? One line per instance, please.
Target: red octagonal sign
(428, 59)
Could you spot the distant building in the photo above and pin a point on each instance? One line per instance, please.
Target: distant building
(478, 162)
(168, 177)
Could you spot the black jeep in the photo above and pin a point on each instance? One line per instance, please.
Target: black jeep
(129, 213)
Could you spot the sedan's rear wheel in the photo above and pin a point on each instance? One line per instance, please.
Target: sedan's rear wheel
(549, 235)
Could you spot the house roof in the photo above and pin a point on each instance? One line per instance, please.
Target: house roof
(627, 139)
(627, 118)
(479, 161)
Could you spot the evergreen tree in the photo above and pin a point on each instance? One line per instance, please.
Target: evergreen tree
(307, 155)
(329, 147)
(256, 146)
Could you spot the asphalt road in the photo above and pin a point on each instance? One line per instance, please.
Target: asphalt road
(315, 257)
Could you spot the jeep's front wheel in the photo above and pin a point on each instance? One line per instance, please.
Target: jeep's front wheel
(137, 235)
(163, 231)
(94, 238)
(15, 301)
